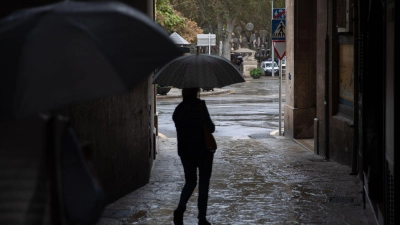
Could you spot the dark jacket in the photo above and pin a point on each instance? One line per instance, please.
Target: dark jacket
(189, 128)
(239, 61)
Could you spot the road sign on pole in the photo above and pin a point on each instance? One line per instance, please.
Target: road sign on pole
(279, 48)
(206, 39)
(279, 29)
(278, 36)
(279, 13)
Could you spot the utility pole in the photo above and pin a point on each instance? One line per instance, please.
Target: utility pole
(272, 46)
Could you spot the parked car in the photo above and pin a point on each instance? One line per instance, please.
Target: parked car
(266, 66)
(283, 65)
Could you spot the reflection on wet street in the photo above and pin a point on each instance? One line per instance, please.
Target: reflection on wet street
(264, 180)
(251, 109)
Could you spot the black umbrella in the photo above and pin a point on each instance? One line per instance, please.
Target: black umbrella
(204, 71)
(58, 54)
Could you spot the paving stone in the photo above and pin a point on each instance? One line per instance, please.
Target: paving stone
(254, 181)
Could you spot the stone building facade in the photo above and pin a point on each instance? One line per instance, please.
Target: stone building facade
(119, 128)
(340, 90)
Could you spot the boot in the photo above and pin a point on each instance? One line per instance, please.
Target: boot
(203, 221)
(178, 217)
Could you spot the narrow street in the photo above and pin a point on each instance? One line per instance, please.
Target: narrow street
(250, 110)
(257, 178)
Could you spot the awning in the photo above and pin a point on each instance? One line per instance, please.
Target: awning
(177, 39)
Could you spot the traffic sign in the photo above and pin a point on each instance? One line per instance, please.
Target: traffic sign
(279, 13)
(280, 48)
(279, 29)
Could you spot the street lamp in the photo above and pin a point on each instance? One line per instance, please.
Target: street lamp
(260, 55)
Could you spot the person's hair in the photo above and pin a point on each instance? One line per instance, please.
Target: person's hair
(190, 92)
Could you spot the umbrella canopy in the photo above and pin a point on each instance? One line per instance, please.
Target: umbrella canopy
(71, 51)
(204, 71)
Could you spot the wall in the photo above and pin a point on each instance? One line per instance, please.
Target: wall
(391, 128)
(340, 131)
(300, 56)
(320, 75)
(119, 127)
(247, 66)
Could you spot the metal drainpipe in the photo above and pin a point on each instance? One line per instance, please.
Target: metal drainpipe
(326, 97)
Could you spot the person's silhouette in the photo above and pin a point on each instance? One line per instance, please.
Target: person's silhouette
(191, 149)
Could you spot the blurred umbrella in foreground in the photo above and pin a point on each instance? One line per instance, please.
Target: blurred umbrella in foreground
(200, 70)
(67, 52)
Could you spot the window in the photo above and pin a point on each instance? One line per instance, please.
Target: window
(346, 79)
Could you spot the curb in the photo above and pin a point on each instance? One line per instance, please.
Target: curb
(176, 93)
(303, 144)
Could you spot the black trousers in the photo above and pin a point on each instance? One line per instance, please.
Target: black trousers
(190, 169)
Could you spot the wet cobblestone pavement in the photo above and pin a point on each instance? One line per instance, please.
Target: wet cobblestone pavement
(263, 181)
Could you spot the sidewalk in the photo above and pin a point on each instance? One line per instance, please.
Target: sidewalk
(254, 181)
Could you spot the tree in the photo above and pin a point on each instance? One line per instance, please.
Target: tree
(224, 17)
(174, 21)
(166, 15)
(188, 30)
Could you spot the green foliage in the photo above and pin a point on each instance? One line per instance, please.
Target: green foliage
(174, 21)
(166, 16)
(256, 72)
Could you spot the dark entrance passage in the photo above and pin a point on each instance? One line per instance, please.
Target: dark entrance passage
(258, 178)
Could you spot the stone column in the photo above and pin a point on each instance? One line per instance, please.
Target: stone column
(300, 68)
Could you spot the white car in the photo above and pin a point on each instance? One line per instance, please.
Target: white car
(266, 66)
(283, 65)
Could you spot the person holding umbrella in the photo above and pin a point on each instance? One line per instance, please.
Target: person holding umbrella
(190, 73)
(189, 117)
